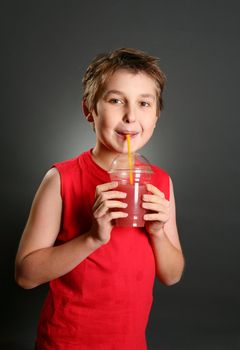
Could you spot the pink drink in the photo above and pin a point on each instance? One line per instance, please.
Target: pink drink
(132, 179)
(134, 208)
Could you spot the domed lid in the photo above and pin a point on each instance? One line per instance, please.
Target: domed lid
(137, 164)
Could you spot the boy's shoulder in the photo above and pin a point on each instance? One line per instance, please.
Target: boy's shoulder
(67, 164)
(71, 164)
(76, 164)
(161, 179)
(159, 171)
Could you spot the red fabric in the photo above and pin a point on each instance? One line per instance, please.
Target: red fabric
(103, 303)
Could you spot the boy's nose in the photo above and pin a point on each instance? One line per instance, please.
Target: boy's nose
(129, 116)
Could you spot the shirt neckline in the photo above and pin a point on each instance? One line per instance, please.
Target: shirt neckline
(96, 169)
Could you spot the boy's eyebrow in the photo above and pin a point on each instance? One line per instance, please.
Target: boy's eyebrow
(122, 94)
(148, 96)
(113, 92)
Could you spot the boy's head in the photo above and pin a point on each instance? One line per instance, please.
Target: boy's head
(104, 65)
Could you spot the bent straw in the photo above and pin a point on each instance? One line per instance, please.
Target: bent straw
(130, 159)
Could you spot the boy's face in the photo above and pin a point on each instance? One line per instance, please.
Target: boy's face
(128, 105)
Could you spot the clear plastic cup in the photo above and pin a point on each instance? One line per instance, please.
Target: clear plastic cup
(139, 174)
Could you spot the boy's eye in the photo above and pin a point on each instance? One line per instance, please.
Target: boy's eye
(145, 104)
(115, 101)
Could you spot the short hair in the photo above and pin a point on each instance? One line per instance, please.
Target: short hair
(105, 64)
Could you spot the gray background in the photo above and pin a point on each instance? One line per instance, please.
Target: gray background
(46, 48)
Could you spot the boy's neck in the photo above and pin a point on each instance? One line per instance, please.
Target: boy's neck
(103, 158)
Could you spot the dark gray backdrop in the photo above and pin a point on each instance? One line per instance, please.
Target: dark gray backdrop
(45, 51)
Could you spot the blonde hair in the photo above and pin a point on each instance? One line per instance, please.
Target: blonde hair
(104, 65)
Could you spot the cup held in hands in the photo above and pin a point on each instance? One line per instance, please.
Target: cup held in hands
(134, 186)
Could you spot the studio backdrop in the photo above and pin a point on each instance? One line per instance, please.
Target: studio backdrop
(46, 48)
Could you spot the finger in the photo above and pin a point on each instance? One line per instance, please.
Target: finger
(117, 214)
(151, 217)
(155, 199)
(104, 196)
(155, 190)
(156, 217)
(154, 207)
(105, 187)
(105, 206)
(112, 194)
(115, 204)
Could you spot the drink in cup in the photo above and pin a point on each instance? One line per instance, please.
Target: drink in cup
(132, 180)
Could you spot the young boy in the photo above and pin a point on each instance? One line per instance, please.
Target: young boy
(101, 276)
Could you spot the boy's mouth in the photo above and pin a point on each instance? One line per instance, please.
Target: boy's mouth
(124, 133)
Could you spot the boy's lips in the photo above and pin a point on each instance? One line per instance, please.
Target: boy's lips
(124, 133)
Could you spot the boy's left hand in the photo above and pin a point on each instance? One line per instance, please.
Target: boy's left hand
(160, 208)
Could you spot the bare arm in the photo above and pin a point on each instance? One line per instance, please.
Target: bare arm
(164, 238)
(37, 260)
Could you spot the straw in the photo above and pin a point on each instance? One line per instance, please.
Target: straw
(130, 159)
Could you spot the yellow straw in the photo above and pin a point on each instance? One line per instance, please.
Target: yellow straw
(130, 159)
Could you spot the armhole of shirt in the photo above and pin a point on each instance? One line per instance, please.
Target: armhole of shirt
(169, 187)
(165, 181)
(61, 178)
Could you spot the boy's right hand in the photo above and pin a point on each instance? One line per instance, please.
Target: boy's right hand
(105, 200)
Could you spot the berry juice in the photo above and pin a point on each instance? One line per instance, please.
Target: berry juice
(134, 208)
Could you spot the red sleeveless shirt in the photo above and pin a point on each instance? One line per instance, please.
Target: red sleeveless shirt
(105, 301)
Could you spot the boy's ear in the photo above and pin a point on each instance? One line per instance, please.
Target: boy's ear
(157, 118)
(159, 115)
(86, 112)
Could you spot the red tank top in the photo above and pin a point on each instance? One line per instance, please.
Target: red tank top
(104, 302)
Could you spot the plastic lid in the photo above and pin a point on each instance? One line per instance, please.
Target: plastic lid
(139, 164)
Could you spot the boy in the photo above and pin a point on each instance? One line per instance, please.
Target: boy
(100, 276)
